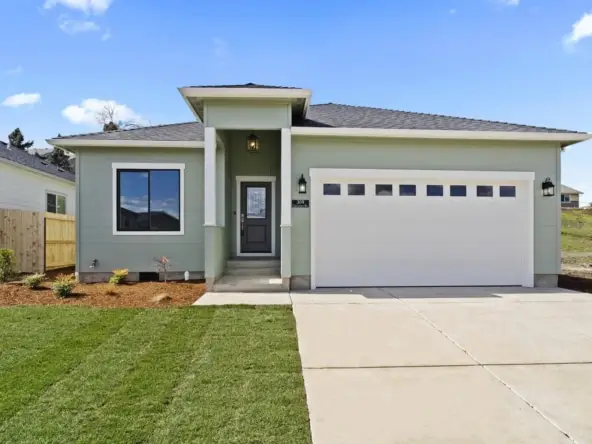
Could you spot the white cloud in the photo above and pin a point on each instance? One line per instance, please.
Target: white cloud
(510, 2)
(580, 30)
(70, 26)
(107, 35)
(86, 112)
(14, 71)
(22, 99)
(86, 6)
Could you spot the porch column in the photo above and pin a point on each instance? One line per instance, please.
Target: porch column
(210, 177)
(286, 207)
(212, 238)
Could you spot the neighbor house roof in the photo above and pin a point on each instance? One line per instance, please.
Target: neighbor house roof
(568, 190)
(331, 115)
(31, 161)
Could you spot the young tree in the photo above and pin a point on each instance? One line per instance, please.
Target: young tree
(60, 159)
(17, 140)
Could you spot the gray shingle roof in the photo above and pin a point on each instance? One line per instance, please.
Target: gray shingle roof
(568, 190)
(24, 158)
(330, 115)
(177, 132)
(348, 116)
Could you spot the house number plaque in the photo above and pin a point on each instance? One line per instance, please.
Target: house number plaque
(301, 203)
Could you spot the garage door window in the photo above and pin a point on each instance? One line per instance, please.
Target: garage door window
(356, 189)
(407, 190)
(458, 190)
(435, 190)
(331, 189)
(384, 190)
(484, 191)
(507, 191)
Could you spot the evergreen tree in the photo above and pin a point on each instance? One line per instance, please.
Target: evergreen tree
(60, 159)
(17, 140)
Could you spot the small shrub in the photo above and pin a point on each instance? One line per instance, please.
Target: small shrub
(63, 285)
(163, 265)
(119, 276)
(7, 264)
(34, 281)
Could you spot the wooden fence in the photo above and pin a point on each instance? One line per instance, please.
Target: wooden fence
(41, 241)
(22, 231)
(60, 241)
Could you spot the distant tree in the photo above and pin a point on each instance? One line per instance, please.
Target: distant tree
(60, 159)
(106, 117)
(110, 126)
(17, 140)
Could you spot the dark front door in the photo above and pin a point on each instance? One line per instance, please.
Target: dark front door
(255, 217)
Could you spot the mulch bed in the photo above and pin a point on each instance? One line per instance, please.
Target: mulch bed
(577, 281)
(132, 295)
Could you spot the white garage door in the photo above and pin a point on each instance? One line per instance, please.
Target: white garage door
(421, 228)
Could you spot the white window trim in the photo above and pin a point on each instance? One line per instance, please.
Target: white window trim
(149, 166)
(567, 198)
(239, 180)
(320, 175)
(56, 193)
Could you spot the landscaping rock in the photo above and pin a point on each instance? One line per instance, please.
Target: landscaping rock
(162, 297)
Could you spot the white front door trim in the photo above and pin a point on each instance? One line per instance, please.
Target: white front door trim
(318, 175)
(239, 181)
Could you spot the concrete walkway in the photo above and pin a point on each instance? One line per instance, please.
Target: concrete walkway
(212, 298)
(447, 365)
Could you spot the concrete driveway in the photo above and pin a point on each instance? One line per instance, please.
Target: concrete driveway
(447, 365)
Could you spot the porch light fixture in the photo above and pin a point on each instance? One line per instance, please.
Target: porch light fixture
(548, 188)
(302, 184)
(253, 143)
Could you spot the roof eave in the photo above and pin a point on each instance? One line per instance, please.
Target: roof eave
(74, 144)
(564, 139)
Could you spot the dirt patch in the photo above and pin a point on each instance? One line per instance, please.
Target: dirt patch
(578, 281)
(133, 295)
(52, 274)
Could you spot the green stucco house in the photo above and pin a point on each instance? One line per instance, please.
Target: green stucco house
(265, 191)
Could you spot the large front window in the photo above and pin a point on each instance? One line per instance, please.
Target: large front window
(149, 200)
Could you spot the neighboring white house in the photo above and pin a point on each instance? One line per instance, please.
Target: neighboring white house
(29, 183)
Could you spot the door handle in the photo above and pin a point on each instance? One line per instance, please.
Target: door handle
(242, 222)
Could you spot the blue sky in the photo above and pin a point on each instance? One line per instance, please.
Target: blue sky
(494, 59)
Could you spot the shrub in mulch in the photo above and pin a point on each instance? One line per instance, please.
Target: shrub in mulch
(125, 295)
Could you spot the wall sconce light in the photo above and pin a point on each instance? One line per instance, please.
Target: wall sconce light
(253, 143)
(548, 188)
(302, 184)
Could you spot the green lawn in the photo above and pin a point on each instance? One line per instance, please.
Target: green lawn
(576, 231)
(190, 375)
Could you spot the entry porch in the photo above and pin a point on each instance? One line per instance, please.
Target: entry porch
(247, 198)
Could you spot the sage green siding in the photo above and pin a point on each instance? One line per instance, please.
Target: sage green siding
(247, 115)
(242, 163)
(95, 213)
(540, 158)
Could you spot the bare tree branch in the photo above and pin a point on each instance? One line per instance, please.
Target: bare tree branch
(107, 118)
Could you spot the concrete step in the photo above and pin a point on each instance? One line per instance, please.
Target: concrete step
(252, 263)
(252, 271)
(249, 284)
